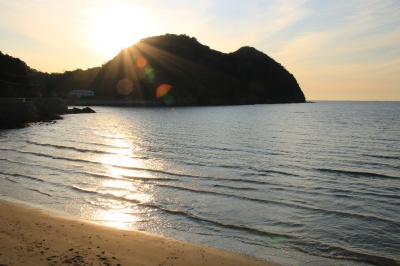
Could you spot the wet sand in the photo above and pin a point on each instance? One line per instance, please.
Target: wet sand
(29, 236)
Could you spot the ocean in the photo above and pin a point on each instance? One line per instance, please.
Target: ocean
(298, 184)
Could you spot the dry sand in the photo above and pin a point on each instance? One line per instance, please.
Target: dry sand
(30, 236)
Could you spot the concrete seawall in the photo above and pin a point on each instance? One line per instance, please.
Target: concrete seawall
(17, 112)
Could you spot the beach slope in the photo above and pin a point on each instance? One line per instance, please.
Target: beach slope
(29, 236)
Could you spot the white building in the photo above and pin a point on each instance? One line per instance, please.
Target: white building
(80, 93)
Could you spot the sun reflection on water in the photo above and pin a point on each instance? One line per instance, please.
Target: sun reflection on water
(122, 214)
(122, 191)
(122, 218)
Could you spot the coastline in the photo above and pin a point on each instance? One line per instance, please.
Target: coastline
(30, 236)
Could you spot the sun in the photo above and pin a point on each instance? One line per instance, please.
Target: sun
(117, 26)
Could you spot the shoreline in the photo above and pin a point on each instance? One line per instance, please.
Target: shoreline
(31, 236)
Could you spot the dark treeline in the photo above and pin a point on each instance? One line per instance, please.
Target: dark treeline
(17, 79)
(176, 70)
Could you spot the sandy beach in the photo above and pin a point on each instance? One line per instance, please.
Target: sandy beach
(30, 236)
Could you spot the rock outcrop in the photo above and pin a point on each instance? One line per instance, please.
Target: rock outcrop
(85, 110)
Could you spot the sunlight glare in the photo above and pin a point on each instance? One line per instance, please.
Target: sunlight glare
(118, 25)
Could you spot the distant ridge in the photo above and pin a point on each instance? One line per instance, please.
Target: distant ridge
(178, 70)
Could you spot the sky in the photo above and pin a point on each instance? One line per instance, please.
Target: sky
(337, 50)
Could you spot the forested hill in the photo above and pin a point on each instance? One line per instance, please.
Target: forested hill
(17, 79)
(197, 74)
(178, 70)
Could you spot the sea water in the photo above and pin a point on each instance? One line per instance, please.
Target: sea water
(300, 184)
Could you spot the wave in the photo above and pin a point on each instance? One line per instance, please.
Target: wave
(66, 147)
(105, 195)
(381, 156)
(29, 164)
(287, 204)
(259, 172)
(341, 253)
(128, 177)
(252, 171)
(96, 175)
(355, 193)
(46, 155)
(218, 179)
(240, 228)
(187, 214)
(22, 176)
(66, 171)
(235, 188)
(82, 190)
(152, 170)
(34, 179)
(269, 201)
(188, 175)
(79, 142)
(51, 156)
(150, 178)
(86, 173)
(356, 174)
(12, 181)
(190, 216)
(40, 192)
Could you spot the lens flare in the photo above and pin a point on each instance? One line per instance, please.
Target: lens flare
(150, 73)
(142, 74)
(162, 90)
(125, 86)
(169, 100)
(141, 62)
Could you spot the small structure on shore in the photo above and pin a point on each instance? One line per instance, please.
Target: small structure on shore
(80, 93)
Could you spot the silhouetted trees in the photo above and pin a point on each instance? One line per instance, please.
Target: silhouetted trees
(17, 79)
